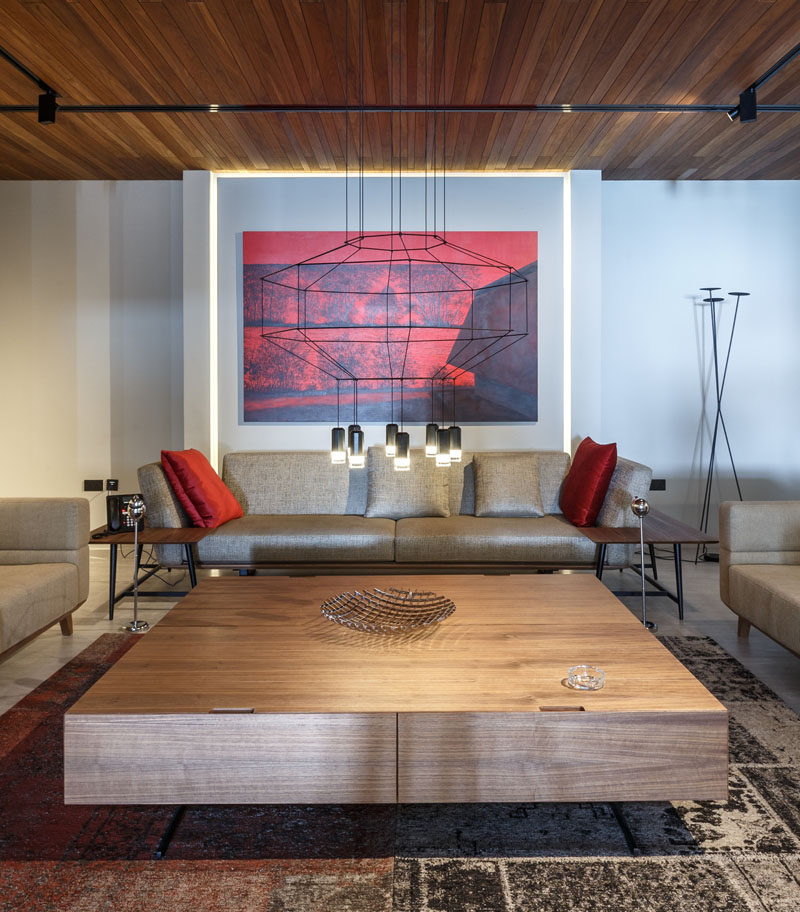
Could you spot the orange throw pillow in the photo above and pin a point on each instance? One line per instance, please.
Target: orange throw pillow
(202, 493)
(587, 481)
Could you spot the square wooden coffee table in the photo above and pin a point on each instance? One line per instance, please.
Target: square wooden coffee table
(244, 693)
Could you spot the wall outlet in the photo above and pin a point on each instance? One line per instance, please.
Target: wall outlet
(658, 484)
(112, 484)
(93, 484)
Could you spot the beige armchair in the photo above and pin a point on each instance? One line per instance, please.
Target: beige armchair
(44, 566)
(759, 567)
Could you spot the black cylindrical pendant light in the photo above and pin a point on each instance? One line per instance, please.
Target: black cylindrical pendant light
(355, 452)
(455, 443)
(431, 439)
(351, 429)
(402, 459)
(391, 439)
(338, 446)
(443, 447)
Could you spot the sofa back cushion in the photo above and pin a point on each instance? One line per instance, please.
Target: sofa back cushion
(422, 491)
(294, 483)
(507, 484)
(552, 467)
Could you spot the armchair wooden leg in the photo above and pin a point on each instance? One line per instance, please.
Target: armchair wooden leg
(66, 625)
(744, 628)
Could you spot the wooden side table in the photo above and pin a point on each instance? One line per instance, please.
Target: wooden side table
(659, 529)
(147, 536)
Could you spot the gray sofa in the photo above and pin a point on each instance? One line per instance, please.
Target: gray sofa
(301, 513)
(759, 567)
(44, 566)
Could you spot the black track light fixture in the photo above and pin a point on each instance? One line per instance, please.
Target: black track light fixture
(47, 107)
(748, 108)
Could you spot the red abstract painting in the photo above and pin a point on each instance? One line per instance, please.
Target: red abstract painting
(442, 327)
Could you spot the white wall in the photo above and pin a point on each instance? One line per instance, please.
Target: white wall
(200, 376)
(90, 332)
(92, 345)
(583, 325)
(661, 242)
(317, 203)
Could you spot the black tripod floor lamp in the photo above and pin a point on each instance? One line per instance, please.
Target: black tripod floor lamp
(719, 419)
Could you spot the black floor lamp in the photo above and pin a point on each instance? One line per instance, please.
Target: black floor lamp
(719, 419)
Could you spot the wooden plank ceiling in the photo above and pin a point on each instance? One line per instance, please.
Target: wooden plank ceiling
(292, 52)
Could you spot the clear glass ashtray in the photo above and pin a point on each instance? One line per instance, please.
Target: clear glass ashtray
(586, 677)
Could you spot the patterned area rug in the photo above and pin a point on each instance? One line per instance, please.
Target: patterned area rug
(742, 856)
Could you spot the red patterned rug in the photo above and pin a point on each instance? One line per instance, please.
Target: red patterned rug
(738, 856)
(73, 857)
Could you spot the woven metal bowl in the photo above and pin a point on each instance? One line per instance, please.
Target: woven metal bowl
(387, 610)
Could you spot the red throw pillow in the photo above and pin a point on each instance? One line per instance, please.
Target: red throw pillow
(587, 481)
(202, 493)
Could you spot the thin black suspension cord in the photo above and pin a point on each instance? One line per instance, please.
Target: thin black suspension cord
(361, 126)
(400, 122)
(425, 156)
(444, 130)
(391, 122)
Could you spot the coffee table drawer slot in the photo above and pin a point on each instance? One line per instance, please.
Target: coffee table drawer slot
(231, 758)
(562, 756)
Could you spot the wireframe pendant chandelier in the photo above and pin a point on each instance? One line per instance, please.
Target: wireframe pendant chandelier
(387, 311)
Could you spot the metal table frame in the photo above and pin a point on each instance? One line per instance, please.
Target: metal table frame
(147, 536)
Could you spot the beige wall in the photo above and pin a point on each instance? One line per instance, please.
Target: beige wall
(90, 332)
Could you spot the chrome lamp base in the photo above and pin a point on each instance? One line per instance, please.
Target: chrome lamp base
(137, 626)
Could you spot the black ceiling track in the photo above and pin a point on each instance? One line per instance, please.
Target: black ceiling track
(405, 109)
(26, 72)
(387, 109)
(747, 109)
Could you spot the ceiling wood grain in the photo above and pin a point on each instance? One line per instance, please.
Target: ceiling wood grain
(456, 52)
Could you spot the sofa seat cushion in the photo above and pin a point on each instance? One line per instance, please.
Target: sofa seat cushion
(542, 539)
(275, 538)
(768, 595)
(32, 596)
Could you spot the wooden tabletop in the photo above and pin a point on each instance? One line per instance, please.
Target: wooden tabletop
(261, 644)
(659, 529)
(148, 536)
